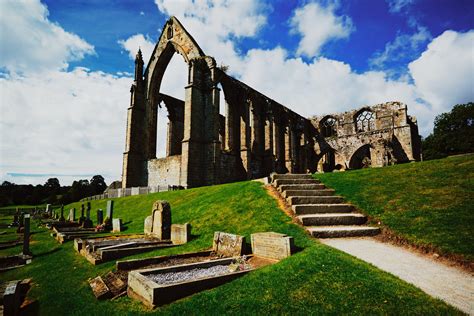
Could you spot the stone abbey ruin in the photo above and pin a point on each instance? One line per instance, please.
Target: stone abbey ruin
(257, 135)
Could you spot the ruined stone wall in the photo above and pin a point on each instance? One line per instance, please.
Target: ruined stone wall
(383, 134)
(257, 135)
(164, 171)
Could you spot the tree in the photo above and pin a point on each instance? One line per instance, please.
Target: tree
(453, 133)
(98, 184)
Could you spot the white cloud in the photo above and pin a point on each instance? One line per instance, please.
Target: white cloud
(318, 25)
(63, 123)
(31, 43)
(444, 73)
(217, 25)
(396, 6)
(133, 43)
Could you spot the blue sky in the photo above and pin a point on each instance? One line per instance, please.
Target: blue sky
(65, 66)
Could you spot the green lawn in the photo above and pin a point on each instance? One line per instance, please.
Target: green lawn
(428, 203)
(316, 280)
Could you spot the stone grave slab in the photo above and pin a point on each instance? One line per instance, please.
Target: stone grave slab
(180, 233)
(158, 224)
(116, 225)
(271, 245)
(228, 245)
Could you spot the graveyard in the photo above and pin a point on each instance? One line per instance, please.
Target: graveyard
(314, 278)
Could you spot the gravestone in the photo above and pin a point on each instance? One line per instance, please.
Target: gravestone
(26, 235)
(49, 210)
(100, 217)
(158, 224)
(227, 245)
(82, 218)
(87, 221)
(110, 210)
(271, 245)
(116, 225)
(180, 233)
(72, 214)
(62, 219)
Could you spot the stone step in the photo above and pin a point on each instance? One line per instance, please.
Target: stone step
(280, 182)
(342, 231)
(296, 200)
(322, 208)
(323, 192)
(333, 219)
(291, 176)
(315, 186)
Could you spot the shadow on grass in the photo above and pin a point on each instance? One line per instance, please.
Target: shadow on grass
(42, 254)
(30, 308)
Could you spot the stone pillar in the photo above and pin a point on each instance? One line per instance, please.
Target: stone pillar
(230, 131)
(201, 147)
(287, 135)
(26, 235)
(245, 146)
(269, 151)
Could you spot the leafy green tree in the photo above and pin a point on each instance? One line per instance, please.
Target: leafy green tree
(453, 133)
(98, 184)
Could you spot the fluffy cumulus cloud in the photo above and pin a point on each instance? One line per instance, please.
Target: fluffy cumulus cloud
(444, 73)
(135, 42)
(317, 25)
(67, 123)
(31, 43)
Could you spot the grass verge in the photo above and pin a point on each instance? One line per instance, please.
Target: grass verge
(316, 280)
(429, 204)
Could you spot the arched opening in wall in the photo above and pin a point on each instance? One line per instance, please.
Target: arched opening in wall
(327, 126)
(361, 158)
(364, 121)
(222, 118)
(170, 113)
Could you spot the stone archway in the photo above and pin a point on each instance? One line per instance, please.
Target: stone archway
(361, 158)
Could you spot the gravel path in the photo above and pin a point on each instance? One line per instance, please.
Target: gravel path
(188, 275)
(450, 284)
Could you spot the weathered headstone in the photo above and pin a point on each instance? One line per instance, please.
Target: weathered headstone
(158, 224)
(100, 216)
(87, 221)
(62, 219)
(227, 245)
(49, 210)
(180, 233)
(110, 210)
(26, 235)
(82, 218)
(116, 225)
(271, 245)
(72, 214)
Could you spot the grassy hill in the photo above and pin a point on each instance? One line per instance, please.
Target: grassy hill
(316, 280)
(427, 203)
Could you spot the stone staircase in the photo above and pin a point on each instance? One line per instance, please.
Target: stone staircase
(324, 214)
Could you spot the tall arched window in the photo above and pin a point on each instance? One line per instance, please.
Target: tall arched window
(328, 127)
(365, 121)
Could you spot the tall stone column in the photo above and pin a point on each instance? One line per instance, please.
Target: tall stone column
(245, 136)
(230, 131)
(288, 148)
(269, 156)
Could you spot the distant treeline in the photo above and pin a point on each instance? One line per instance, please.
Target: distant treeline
(51, 192)
(453, 133)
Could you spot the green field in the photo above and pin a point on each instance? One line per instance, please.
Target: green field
(427, 203)
(315, 280)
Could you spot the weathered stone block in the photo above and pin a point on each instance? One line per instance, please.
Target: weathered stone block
(227, 245)
(116, 225)
(159, 223)
(180, 233)
(271, 245)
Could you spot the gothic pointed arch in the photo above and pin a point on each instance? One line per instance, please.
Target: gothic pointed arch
(173, 39)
